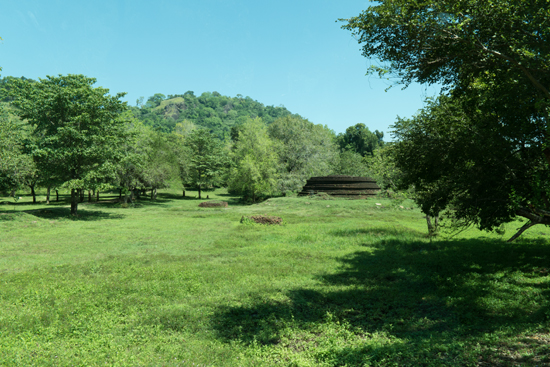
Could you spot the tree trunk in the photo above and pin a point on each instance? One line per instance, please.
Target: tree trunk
(199, 191)
(56, 195)
(33, 194)
(137, 193)
(89, 196)
(183, 193)
(521, 230)
(48, 195)
(155, 194)
(97, 195)
(120, 193)
(432, 228)
(74, 201)
(81, 194)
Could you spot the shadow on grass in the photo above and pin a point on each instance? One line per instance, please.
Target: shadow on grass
(450, 294)
(65, 213)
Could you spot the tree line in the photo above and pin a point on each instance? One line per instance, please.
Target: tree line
(65, 132)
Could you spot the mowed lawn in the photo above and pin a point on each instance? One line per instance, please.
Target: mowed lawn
(340, 283)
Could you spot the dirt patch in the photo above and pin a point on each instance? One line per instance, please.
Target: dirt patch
(213, 204)
(263, 219)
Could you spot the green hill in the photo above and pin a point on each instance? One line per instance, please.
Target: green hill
(210, 110)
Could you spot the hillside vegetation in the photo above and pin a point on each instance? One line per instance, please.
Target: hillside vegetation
(210, 110)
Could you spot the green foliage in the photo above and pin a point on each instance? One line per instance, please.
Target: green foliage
(77, 128)
(15, 165)
(383, 168)
(360, 139)
(254, 157)
(352, 163)
(212, 111)
(304, 150)
(462, 160)
(205, 160)
(484, 149)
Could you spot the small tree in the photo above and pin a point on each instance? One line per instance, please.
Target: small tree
(206, 160)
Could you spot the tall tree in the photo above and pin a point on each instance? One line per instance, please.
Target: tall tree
(78, 127)
(254, 171)
(207, 160)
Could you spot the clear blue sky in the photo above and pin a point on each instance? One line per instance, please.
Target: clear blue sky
(289, 53)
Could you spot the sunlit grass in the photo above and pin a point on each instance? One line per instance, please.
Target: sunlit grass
(340, 283)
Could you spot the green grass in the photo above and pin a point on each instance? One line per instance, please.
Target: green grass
(341, 283)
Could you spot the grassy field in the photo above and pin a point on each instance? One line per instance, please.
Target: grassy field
(340, 283)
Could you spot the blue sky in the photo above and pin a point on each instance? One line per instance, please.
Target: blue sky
(290, 53)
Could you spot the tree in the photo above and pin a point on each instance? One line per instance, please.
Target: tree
(360, 139)
(351, 164)
(77, 126)
(303, 149)
(459, 159)
(458, 42)
(493, 58)
(254, 171)
(15, 165)
(206, 162)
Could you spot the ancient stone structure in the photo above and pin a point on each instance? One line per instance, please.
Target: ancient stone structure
(341, 186)
(213, 204)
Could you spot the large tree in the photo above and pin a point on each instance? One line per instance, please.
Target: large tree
(254, 171)
(77, 126)
(304, 149)
(493, 58)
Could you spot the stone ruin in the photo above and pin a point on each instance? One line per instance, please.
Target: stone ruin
(213, 204)
(341, 186)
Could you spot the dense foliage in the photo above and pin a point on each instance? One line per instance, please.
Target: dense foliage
(212, 111)
(490, 132)
(77, 129)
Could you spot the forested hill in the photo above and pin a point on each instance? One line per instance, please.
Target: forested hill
(211, 110)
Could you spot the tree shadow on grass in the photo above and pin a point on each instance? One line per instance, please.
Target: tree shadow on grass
(65, 213)
(450, 294)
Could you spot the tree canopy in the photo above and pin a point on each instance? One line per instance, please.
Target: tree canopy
(77, 127)
(484, 149)
(360, 139)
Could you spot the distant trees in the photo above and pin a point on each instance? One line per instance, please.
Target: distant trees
(213, 111)
(303, 149)
(360, 139)
(206, 160)
(63, 132)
